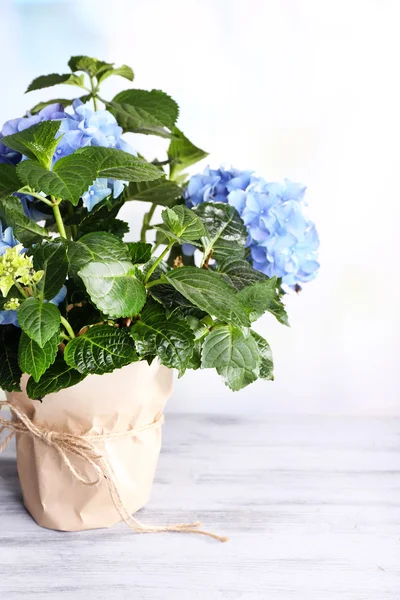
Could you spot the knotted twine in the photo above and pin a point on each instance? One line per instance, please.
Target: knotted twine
(69, 444)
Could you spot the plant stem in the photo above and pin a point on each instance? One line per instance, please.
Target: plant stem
(146, 222)
(59, 221)
(157, 261)
(21, 289)
(94, 93)
(67, 327)
(27, 190)
(155, 282)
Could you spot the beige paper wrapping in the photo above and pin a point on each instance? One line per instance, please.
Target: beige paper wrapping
(125, 399)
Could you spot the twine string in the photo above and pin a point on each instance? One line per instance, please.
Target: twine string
(68, 445)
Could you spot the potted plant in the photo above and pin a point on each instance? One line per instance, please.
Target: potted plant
(91, 326)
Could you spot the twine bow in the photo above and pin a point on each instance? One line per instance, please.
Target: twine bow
(69, 445)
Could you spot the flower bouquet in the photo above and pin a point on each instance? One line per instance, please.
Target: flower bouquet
(91, 326)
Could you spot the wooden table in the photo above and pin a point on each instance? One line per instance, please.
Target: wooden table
(311, 505)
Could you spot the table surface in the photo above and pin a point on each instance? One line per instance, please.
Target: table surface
(311, 506)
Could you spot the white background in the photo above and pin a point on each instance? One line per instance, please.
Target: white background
(302, 89)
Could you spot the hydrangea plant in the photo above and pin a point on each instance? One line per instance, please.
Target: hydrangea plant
(76, 299)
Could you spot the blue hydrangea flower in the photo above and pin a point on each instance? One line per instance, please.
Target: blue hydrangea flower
(282, 241)
(7, 239)
(49, 113)
(100, 189)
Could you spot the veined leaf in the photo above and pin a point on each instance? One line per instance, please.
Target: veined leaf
(33, 359)
(160, 191)
(171, 339)
(239, 273)
(37, 142)
(123, 71)
(10, 372)
(140, 252)
(51, 257)
(234, 354)
(89, 65)
(57, 377)
(114, 287)
(206, 290)
(26, 230)
(181, 225)
(266, 364)
(39, 320)
(261, 297)
(100, 350)
(226, 234)
(9, 181)
(98, 247)
(45, 81)
(182, 153)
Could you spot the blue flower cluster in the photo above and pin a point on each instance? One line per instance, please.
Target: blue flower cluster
(282, 241)
(8, 240)
(83, 127)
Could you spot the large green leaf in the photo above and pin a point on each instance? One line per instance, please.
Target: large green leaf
(26, 230)
(97, 246)
(266, 364)
(181, 225)
(74, 174)
(10, 372)
(100, 350)
(145, 112)
(234, 354)
(261, 297)
(161, 191)
(206, 290)
(140, 252)
(45, 81)
(37, 142)
(182, 153)
(9, 180)
(226, 233)
(239, 273)
(172, 339)
(39, 320)
(33, 359)
(51, 257)
(57, 377)
(114, 287)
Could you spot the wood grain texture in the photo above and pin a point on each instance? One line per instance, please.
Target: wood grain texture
(311, 504)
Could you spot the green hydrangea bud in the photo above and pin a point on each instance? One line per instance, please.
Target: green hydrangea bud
(12, 304)
(17, 268)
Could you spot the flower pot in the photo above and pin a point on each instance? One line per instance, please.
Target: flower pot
(116, 403)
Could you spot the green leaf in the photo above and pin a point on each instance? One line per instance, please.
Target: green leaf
(51, 257)
(57, 377)
(123, 71)
(114, 287)
(10, 372)
(266, 364)
(9, 181)
(226, 234)
(206, 290)
(181, 225)
(146, 112)
(234, 354)
(41, 105)
(39, 320)
(160, 191)
(261, 297)
(37, 142)
(91, 66)
(140, 252)
(26, 230)
(74, 174)
(33, 359)
(182, 153)
(170, 339)
(239, 273)
(45, 81)
(100, 350)
(97, 246)
(103, 217)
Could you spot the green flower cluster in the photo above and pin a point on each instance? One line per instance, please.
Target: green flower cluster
(16, 269)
